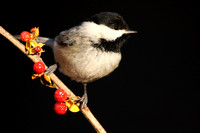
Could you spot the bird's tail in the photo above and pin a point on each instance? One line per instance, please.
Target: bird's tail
(47, 41)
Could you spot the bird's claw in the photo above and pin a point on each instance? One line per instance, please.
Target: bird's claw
(84, 100)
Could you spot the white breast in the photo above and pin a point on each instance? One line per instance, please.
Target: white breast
(86, 64)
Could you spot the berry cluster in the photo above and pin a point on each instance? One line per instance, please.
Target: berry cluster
(32, 45)
(60, 95)
(64, 102)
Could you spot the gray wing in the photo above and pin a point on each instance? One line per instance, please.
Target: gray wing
(65, 38)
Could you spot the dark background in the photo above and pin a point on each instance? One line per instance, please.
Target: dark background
(155, 88)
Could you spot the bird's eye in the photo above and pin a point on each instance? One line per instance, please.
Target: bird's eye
(116, 28)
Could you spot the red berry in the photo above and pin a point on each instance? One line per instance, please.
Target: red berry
(60, 108)
(39, 67)
(25, 36)
(38, 49)
(60, 95)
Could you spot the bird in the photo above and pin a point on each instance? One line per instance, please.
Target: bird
(90, 50)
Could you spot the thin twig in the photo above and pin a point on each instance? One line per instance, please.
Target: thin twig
(59, 84)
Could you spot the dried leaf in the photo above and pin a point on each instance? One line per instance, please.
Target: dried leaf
(35, 76)
(33, 43)
(69, 103)
(35, 32)
(72, 107)
(47, 78)
(32, 51)
(41, 44)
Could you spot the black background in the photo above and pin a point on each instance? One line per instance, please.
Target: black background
(155, 88)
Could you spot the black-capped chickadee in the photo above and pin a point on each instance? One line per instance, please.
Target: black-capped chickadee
(91, 50)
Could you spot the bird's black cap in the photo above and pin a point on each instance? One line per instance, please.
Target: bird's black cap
(110, 19)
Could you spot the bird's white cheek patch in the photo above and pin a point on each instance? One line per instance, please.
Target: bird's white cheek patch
(110, 34)
(101, 31)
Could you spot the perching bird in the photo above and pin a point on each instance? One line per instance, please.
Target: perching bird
(91, 50)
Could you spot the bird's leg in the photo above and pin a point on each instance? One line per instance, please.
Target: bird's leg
(51, 69)
(84, 98)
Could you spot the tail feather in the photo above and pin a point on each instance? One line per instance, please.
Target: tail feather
(47, 41)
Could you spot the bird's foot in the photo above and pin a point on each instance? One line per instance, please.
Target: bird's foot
(84, 100)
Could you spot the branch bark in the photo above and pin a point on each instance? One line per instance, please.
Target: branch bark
(59, 84)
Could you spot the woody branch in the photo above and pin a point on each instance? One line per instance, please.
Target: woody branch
(58, 83)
